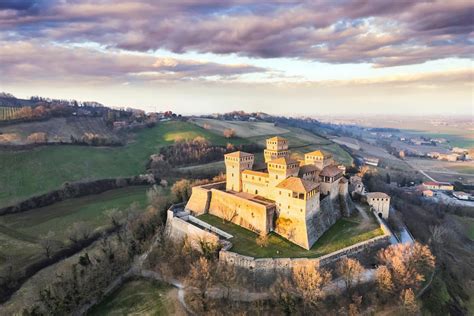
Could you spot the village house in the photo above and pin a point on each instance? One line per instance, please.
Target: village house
(438, 186)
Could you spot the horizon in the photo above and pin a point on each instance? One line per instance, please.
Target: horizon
(201, 57)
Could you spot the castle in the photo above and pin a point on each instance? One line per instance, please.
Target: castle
(286, 197)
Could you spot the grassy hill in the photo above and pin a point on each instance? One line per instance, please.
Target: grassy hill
(301, 141)
(20, 233)
(31, 172)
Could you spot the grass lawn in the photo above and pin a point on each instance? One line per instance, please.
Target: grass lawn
(468, 224)
(19, 232)
(136, 297)
(31, 172)
(346, 232)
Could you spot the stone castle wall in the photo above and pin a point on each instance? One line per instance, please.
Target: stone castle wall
(269, 267)
(179, 229)
(246, 213)
(200, 199)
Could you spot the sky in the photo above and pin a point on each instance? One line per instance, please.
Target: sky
(281, 57)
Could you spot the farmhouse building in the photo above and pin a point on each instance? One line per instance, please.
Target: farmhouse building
(438, 186)
(285, 197)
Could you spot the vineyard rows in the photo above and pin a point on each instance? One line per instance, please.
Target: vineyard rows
(8, 113)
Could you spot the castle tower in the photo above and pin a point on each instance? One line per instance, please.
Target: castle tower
(235, 163)
(318, 158)
(297, 203)
(277, 147)
(280, 169)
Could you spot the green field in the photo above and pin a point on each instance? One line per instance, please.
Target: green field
(136, 297)
(31, 172)
(346, 232)
(19, 233)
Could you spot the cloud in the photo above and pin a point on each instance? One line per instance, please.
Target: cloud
(27, 61)
(379, 32)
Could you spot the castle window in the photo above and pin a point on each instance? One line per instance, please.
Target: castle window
(280, 192)
(289, 206)
(256, 191)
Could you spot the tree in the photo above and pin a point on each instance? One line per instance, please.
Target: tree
(229, 133)
(227, 277)
(181, 190)
(350, 270)
(47, 242)
(79, 231)
(37, 138)
(387, 178)
(409, 304)
(309, 282)
(408, 264)
(384, 280)
(200, 278)
(283, 293)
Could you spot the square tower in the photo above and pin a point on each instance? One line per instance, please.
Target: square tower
(277, 147)
(235, 163)
(318, 158)
(280, 169)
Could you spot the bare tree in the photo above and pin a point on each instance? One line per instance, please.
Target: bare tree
(384, 280)
(408, 300)
(283, 293)
(309, 282)
(200, 279)
(79, 231)
(47, 242)
(408, 264)
(227, 277)
(350, 270)
(229, 133)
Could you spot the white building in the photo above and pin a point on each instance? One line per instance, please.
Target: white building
(380, 202)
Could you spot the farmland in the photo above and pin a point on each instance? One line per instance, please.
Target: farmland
(59, 129)
(242, 129)
(36, 171)
(300, 140)
(20, 232)
(445, 171)
(8, 113)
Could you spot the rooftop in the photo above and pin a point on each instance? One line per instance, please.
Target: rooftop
(277, 139)
(315, 153)
(283, 161)
(378, 195)
(330, 171)
(238, 154)
(256, 173)
(297, 185)
(307, 169)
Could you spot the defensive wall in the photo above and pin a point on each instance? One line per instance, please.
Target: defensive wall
(179, 227)
(181, 224)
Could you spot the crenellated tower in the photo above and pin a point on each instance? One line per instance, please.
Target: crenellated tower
(235, 163)
(277, 147)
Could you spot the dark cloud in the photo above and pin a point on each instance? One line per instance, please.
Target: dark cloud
(385, 33)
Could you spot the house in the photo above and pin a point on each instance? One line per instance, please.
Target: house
(427, 193)
(441, 186)
(461, 195)
(371, 161)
